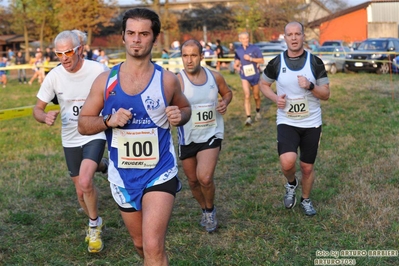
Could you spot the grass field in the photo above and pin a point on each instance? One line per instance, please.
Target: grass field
(356, 191)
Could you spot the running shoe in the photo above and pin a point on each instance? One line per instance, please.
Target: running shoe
(248, 122)
(289, 197)
(95, 242)
(211, 221)
(258, 117)
(307, 207)
(203, 219)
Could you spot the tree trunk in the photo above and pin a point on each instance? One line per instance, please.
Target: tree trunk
(166, 43)
(156, 7)
(26, 38)
(42, 34)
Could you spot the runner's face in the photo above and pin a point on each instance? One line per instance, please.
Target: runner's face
(71, 63)
(294, 37)
(191, 58)
(138, 37)
(244, 39)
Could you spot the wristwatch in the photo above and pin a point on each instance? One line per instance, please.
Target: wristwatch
(106, 118)
(311, 86)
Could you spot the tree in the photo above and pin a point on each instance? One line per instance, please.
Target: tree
(85, 15)
(217, 17)
(249, 16)
(21, 21)
(5, 21)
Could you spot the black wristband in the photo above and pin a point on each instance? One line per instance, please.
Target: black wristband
(106, 118)
(311, 86)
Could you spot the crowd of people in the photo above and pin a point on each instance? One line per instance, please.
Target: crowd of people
(131, 107)
(40, 63)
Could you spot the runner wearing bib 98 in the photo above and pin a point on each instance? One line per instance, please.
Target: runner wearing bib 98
(302, 82)
(139, 102)
(246, 60)
(200, 139)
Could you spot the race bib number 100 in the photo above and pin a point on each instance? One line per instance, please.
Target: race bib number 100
(137, 148)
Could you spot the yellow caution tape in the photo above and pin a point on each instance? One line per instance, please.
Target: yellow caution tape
(22, 111)
(29, 66)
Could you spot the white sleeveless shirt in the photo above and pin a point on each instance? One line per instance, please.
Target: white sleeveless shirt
(205, 121)
(302, 108)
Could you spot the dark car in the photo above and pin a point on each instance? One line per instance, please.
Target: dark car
(373, 55)
(334, 43)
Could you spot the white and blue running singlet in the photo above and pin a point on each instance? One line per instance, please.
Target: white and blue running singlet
(141, 153)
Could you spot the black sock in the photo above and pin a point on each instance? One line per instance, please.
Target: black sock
(94, 219)
(210, 210)
(257, 110)
(293, 183)
(248, 116)
(303, 199)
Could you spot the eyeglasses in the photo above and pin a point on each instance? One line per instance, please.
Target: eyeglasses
(68, 53)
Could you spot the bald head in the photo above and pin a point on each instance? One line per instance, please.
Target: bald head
(294, 23)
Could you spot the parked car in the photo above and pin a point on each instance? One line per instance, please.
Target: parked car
(268, 52)
(274, 43)
(395, 65)
(175, 63)
(334, 43)
(373, 55)
(355, 45)
(333, 57)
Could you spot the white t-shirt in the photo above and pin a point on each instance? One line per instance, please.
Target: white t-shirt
(71, 90)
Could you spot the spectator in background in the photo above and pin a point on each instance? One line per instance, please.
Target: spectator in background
(208, 54)
(103, 58)
(165, 55)
(3, 73)
(10, 54)
(37, 63)
(231, 49)
(50, 54)
(220, 55)
(46, 65)
(20, 60)
(175, 45)
(95, 55)
(88, 52)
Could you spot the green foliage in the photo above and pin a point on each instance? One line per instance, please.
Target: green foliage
(218, 17)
